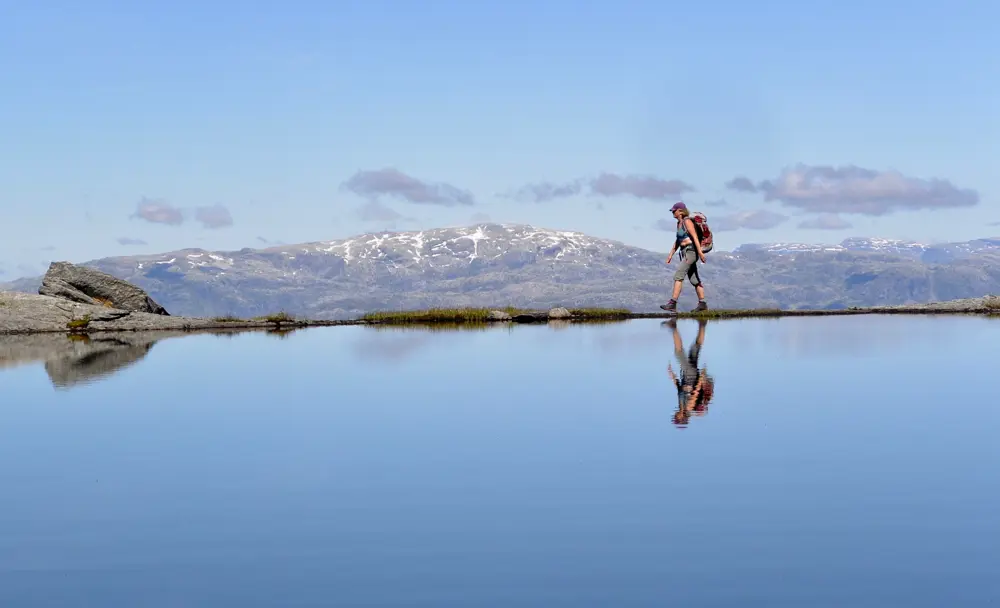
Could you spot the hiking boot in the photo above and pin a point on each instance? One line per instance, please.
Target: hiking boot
(700, 307)
(670, 306)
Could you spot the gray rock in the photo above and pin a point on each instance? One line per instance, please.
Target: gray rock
(559, 313)
(89, 286)
(498, 315)
(25, 313)
(537, 316)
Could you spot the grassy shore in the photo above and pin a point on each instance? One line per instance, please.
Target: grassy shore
(276, 318)
(485, 315)
(26, 313)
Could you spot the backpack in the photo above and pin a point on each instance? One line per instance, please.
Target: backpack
(704, 232)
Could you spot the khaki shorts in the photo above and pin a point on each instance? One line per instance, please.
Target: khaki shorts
(688, 266)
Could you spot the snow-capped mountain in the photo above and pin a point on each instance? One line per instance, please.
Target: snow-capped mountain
(425, 250)
(938, 252)
(784, 248)
(870, 244)
(879, 245)
(511, 264)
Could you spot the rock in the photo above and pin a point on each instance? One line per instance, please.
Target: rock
(498, 315)
(559, 313)
(88, 286)
(530, 317)
(28, 313)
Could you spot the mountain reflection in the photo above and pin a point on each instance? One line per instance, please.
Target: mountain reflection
(695, 386)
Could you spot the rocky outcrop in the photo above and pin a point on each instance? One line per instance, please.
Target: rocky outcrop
(559, 313)
(96, 288)
(26, 313)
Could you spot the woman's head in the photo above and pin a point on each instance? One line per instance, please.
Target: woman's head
(679, 210)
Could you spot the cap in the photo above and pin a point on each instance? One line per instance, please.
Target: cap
(678, 205)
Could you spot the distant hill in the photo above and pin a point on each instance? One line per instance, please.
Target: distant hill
(508, 264)
(939, 253)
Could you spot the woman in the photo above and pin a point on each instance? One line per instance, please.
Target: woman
(690, 252)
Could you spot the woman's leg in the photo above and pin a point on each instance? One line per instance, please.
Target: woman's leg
(687, 258)
(695, 277)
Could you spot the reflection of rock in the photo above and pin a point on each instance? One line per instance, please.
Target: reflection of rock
(103, 358)
(89, 286)
(72, 360)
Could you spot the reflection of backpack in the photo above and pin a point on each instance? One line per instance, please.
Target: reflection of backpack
(704, 232)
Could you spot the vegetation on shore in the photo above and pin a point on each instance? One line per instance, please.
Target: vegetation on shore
(458, 316)
(78, 324)
(277, 318)
(228, 319)
(479, 317)
(483, 315)
(732, 313)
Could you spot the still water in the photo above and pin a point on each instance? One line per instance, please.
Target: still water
(837, 461)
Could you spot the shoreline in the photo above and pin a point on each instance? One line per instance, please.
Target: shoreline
(113, 320)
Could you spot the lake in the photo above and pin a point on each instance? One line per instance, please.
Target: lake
(826, 461)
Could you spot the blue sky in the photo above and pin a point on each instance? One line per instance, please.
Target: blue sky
(232, 124)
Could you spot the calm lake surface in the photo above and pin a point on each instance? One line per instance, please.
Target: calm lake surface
(841, 461)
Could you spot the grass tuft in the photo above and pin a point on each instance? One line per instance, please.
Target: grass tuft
(598, 314)
(228, 319)
(277, 317)
(77, 324)
(431, 315)
(722, 313)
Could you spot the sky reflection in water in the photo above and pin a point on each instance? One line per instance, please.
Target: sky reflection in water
(839, 461)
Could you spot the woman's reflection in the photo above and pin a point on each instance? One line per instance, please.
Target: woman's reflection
(695, 387)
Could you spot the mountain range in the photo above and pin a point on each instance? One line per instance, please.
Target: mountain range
(520, 265)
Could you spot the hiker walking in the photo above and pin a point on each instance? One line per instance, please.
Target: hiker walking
(691, 252)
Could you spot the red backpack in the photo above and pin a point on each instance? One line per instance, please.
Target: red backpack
(704, 232)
